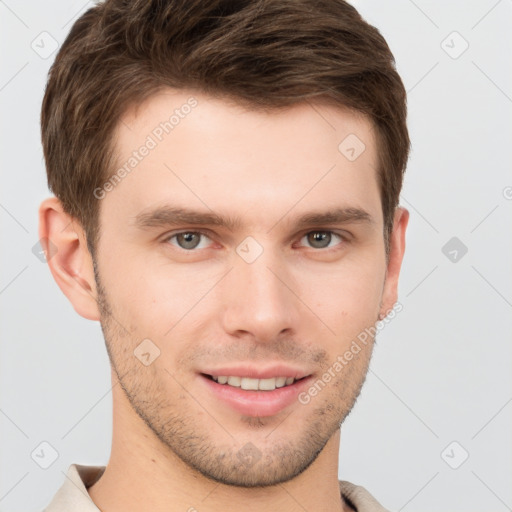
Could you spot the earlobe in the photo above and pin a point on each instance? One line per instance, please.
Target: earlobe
(68, 257)
(396, 254)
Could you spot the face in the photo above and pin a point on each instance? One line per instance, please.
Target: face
(242, 247)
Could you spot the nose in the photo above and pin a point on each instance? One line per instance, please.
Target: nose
(260, 300)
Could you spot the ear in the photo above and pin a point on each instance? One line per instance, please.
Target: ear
(396, 254)
(64, 242)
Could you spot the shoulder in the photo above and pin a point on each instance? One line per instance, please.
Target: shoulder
(359, 498)
(72, 496)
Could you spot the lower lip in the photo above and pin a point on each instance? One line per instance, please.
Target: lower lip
(256, 403)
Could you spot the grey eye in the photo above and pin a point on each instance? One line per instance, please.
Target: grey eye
(319, 239)
(188, 239)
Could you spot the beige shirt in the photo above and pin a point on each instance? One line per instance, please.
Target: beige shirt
(73, 496)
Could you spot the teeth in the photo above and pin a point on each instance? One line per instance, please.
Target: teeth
(280, 382)
(234, 381)
(248, 383)
(267, 384)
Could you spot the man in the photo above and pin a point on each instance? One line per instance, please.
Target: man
(227, 177)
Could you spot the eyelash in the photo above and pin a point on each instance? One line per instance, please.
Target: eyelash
(344, 239)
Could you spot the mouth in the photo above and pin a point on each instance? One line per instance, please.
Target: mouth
(253, 393)
(253, 384)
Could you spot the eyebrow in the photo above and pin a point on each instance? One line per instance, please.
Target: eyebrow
(164, 216)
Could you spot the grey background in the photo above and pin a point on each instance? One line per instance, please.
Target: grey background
(441, 369)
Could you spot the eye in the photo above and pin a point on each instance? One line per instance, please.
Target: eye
(322, 239)
(191, 240)
(188, 240)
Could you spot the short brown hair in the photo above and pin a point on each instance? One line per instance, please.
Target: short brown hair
(266, 54)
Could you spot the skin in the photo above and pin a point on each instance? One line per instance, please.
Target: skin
(175, 444)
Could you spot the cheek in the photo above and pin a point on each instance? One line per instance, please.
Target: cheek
(152, 295)
(155, 300)
(348, 295)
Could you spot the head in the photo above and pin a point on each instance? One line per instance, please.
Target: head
(227, 177)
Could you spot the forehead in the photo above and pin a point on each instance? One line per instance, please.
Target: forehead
(189, 149)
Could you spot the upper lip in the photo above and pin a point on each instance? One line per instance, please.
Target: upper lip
(262, 372)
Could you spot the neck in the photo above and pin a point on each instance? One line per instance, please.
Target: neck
(143, 474)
